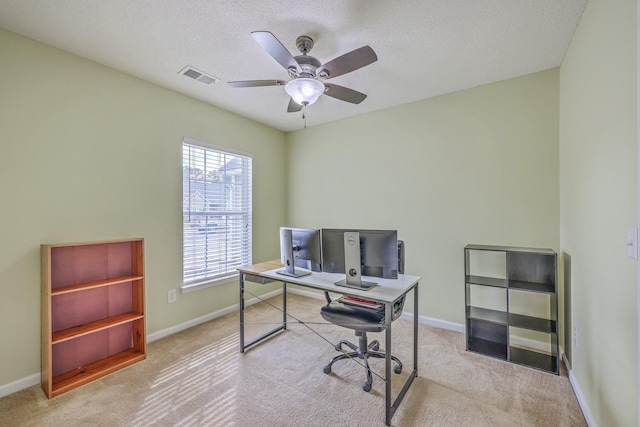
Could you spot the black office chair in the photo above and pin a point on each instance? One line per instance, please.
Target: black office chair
(362, 320)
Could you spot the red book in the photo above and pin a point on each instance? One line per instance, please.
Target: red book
(359, 301)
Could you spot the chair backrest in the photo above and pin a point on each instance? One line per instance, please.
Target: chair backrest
(398, 306)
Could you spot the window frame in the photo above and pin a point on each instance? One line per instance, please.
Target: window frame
(246, 211)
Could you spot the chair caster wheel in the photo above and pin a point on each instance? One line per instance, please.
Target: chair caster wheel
(376, 347)
(366, 386)
(326, 369)
(397, 369)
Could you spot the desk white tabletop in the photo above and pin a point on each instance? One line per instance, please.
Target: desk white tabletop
(387, 290)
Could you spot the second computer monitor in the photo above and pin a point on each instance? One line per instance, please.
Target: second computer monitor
(358, 253)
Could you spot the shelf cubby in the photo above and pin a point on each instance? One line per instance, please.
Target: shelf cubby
(488, 315)
(92, 371)
(534, 359)
(488, 348)
(487, 337)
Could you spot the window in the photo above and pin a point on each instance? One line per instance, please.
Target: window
(216, 207)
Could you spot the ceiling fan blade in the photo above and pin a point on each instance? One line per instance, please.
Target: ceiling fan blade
(348, 62)
(272, 45)
(293, 107)
(257, 83)
(344, 93)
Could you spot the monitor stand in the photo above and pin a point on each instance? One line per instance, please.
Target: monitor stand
(352, 263)
(365, 286)
(289, 258)
(292, 272)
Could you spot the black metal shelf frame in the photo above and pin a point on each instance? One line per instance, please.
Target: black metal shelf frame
(528, 270)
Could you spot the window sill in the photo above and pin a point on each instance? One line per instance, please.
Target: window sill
(192, 287)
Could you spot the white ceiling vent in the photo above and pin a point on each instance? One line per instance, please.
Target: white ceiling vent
(198, 75)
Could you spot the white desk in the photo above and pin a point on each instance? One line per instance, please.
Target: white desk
(387, 292)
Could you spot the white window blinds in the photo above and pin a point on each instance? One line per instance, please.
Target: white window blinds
(216, 209)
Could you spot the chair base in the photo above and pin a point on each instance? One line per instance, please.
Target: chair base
(363, 351)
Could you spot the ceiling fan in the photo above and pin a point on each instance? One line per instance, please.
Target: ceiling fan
(308, 75)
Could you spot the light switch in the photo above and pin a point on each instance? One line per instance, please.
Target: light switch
(632, 242)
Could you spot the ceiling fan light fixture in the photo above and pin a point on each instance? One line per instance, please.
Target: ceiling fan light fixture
(304, 90)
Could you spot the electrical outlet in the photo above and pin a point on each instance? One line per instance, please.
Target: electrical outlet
(171, 296)
(575, 336)
(632, 242)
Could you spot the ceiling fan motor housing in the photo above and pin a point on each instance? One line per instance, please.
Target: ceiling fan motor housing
(308, 65)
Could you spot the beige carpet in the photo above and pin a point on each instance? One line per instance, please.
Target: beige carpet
(199, 378)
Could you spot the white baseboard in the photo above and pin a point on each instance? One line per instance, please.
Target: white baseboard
(21, 384)
(303, 292)
(591, 422)
(567, 364)
(207, 317)
(433, 322)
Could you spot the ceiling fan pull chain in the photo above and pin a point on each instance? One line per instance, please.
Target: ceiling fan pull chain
(304, 114)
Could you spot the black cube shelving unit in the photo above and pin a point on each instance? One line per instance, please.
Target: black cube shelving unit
(491, 323)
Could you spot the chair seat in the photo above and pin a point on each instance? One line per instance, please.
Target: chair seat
(353, 317)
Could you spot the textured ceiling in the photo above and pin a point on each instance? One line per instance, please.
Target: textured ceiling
(425, 47)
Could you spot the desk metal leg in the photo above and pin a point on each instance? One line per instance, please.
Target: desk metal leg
(243, 345)
(388, 314)
(284, 305)
(389, 408)
(415, 331)
(241, 312)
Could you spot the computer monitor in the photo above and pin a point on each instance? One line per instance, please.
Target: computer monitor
(300, 249)
(358, 253)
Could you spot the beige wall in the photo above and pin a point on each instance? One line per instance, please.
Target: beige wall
(599, 196)
(477, 166)
(88, 153)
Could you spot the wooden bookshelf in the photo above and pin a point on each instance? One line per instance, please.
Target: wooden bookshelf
(93, 320)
